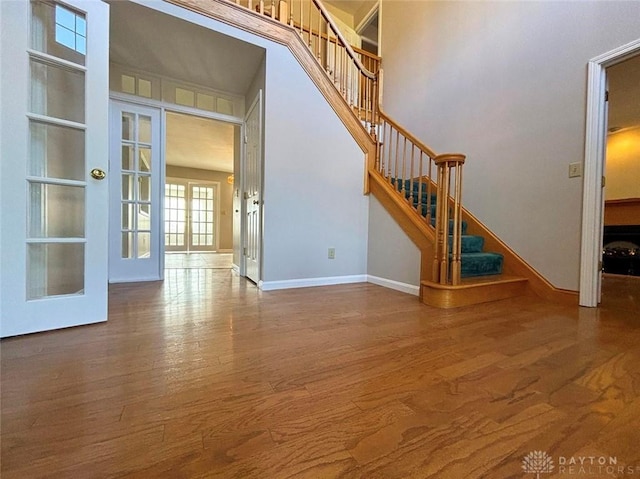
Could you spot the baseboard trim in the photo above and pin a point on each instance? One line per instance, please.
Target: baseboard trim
(310, 282)
(397, 285)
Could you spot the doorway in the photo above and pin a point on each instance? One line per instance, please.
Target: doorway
(173, 207)
(594, 167)
(198, 191)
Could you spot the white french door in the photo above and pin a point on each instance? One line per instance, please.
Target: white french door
(191, 216)
(54, 129)
(252, 173)
(136, 196)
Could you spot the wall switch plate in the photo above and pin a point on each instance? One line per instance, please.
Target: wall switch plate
(575, 169)
(332, 253)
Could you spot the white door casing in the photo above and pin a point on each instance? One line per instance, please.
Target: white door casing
(252, 180)
(54, 132)
(135, 218)
(593, 198)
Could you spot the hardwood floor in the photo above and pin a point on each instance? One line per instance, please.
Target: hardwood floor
(197, 260)
(204, 376)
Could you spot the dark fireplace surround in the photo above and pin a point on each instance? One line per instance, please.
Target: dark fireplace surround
(621, 249)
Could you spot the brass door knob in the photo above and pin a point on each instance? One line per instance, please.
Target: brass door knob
(98, 174)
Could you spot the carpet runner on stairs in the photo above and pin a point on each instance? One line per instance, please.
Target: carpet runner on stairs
(475, 261)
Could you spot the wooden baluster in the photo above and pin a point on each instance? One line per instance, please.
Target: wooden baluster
(421, 187)
(404, 169)
(310, 39)
(273, 9)
(250, 4)
(301, 20)
(396, 160)
(261, 7)
(456, 261)
(380, 159)
(389, 158)
(429, 191)
(319, 54)
(374, 104)
(412, 181)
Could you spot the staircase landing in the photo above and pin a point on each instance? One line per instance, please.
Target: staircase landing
(472, 291)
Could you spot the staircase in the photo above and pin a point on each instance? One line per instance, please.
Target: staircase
(420, 189)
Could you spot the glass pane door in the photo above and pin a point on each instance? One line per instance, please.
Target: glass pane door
(190, 215)
(135, 194)
(55, 133)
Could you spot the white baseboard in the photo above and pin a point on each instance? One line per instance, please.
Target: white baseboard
(309, 282)
(397, 285)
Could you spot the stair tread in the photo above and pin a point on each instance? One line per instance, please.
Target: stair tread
(478, 281)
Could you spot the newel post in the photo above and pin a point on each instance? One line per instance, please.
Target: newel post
(447, 260)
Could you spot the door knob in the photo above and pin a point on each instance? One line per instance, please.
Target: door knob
(98, 174)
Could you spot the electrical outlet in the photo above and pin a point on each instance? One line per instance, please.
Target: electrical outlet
(575, 169)
(332, 253)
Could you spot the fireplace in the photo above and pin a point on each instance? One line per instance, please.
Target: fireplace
(621, 249)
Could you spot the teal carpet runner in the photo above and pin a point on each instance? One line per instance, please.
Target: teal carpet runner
(475, 261)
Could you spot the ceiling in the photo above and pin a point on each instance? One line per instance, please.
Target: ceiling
(194, 142)
(624, 94)
(154, 42)
(352, 7)
(147, 40)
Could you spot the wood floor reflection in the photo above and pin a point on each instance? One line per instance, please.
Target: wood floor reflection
(205, 376)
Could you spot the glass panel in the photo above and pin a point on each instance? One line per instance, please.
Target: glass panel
(54, 269)
(127, 216)
(144, 218)
(144, 194)
(144, 163)
(128, 160)
(57, 92)
(61, 40)
(128, 126)
(204, 102)
(224, 106)
(56, 211)
(144, 88)
(56, 151)
(184, 97)
(127, 245)
(128, 84)
(144, 245)
(127, 187)
(144, 129)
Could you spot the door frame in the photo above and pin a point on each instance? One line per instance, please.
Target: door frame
(165, 107)
(592, 196)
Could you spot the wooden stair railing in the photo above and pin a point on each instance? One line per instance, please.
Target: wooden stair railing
(447, 268)
(344, 64)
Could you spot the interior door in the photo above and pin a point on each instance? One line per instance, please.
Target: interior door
(252, 173)
(136, 197)
(54, 107)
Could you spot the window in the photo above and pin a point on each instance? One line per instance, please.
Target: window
(71, 30)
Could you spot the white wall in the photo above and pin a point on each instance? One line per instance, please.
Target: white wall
(313, 174)
(505, 83)
(392, 255)
(623, 164)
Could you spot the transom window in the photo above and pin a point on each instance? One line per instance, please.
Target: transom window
(71, 30)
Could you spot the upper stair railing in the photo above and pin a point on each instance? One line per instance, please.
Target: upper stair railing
(412, 169)
(344, 64)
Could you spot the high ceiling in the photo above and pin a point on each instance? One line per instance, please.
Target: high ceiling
(195, 142)
(146, 40)
(157, 43)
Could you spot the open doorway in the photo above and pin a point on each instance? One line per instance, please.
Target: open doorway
(594, 195)
(198, 192)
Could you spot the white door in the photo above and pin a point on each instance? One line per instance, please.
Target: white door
(252, 174)
(191, 215)
(136, 196)
(54, 142)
